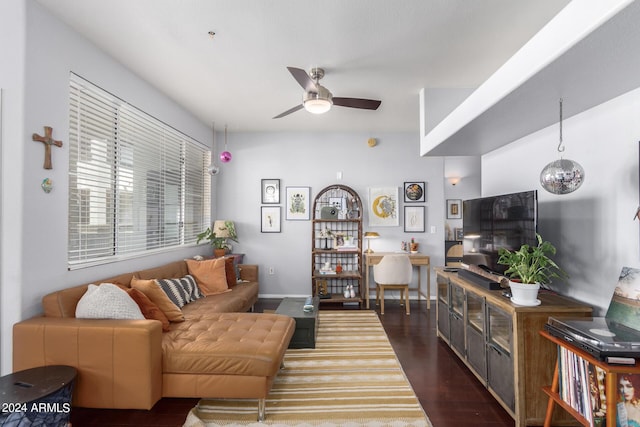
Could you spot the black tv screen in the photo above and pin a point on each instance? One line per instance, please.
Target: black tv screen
(504, 221)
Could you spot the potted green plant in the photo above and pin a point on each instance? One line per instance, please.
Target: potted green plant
(531, 266)
(219, 243)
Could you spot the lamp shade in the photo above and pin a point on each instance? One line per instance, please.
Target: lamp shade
(225, 229)
(371, 235)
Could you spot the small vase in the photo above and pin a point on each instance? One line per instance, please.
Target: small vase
(524, 294)
(413, 247)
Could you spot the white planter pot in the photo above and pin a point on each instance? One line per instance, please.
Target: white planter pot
(522, 294)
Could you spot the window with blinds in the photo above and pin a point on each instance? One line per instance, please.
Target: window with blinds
(135, 184)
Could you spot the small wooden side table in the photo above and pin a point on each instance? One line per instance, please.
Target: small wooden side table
(38, 396)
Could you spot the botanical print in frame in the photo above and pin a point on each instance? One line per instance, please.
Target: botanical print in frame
(270, 191)
(414, 219)
(454, 209)
(298, 203)
(415, 192)
(383, 207)
(270, 219)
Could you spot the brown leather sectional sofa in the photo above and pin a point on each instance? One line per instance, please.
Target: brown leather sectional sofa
(219, 351)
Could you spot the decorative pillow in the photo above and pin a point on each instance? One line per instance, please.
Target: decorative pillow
(230, 272)
(210, 275)
(148, 308)
(180, 291)
(107, 301)
(151, 289)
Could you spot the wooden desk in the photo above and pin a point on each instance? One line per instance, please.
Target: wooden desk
(418, 260)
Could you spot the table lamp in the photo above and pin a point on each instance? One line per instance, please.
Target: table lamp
(370, 235)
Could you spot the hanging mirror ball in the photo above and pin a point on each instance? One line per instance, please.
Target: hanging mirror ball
(225, 157)
(562, 176)
(213, 169)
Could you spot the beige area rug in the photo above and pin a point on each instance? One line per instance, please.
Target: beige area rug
(352, 378)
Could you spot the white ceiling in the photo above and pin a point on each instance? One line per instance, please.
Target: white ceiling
(379, 49)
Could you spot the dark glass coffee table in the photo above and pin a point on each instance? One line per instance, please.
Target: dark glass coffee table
(306, 330)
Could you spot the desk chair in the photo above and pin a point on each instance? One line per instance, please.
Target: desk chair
(393, 272)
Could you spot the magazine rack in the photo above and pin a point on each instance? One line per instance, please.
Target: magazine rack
(610, 383)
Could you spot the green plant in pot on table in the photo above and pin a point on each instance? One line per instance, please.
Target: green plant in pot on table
(217, 237)
(531, 266)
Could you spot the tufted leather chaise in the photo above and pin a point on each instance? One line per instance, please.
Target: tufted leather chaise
(219, 351)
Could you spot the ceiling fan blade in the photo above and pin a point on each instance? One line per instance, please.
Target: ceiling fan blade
(289, 111)
(367, 104)
(303, 79)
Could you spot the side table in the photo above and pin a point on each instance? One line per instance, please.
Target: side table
(307, 323)
(37, 396)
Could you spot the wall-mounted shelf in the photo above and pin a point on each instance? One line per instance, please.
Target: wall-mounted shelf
(587, 55)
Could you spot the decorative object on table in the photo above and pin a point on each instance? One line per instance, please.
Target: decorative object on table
(298, 203)
(413, 246)
(532, 266)
(383, 207)
(414, 219)
(225, 156)
(47, 185)
(458, 233)
(454, 209)
(217, 237)
(562, 176)
(368, 236)
(324, 234)
(48, 141)
(270, 219)
(213, 169)
(270, 191)
(415, 192)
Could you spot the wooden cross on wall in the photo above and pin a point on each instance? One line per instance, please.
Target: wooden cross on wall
(48, 141)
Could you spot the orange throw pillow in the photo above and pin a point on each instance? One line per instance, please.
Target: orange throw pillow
(151, 289)
(210, 275)
(148, 308)
(230, 271)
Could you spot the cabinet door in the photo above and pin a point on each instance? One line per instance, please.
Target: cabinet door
(456, 318)
(476, 344)
(500, 370)
(443, 306)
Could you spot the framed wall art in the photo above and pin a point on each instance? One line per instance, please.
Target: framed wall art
(270, 191)
(297, 204)
(414, 219)
(270, 219)
(383, 207)
(454, 209)
(415, 192)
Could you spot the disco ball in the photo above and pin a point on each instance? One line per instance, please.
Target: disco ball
(225, 157)
(562, 176)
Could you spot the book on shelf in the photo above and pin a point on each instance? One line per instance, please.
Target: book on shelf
(327, 272)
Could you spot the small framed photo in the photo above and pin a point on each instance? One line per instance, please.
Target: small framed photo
(458, 234)
(297, 204)
(414, 219)
(270, 191)
(415, 192)
(270, 219)
(338, 240)
(454, 209)
(337, 202)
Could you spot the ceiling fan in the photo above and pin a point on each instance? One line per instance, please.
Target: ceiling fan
(317, 99)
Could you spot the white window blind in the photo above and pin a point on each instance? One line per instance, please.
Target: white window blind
(135, 184)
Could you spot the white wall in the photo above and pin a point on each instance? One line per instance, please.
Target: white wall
(592, 227)
(38, 55)
(302, 159)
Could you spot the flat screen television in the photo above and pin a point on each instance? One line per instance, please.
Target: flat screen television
(490, 223)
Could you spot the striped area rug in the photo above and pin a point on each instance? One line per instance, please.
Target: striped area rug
(352, 378)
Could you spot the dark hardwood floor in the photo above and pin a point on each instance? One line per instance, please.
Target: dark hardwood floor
(449, 393)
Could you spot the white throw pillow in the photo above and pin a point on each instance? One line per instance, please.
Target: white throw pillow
(107, 301)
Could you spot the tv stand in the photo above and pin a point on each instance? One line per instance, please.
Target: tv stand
(500, 344)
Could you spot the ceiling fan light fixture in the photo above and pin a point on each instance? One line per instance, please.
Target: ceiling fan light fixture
(318, 102)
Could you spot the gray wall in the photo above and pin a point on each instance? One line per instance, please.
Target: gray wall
(592, 227)
(313, 160)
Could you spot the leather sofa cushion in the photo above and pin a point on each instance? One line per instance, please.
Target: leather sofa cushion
(227, 344)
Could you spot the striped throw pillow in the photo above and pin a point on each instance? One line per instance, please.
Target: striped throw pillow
(180, 291)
